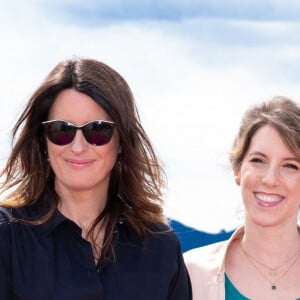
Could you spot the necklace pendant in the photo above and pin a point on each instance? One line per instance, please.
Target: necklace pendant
(272, 273)
(274, 287)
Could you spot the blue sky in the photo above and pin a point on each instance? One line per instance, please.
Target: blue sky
(194, 67)
(82, 11)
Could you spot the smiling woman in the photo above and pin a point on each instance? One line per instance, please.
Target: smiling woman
(261, 260)
(83, 218)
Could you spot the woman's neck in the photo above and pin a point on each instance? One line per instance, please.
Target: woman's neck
(81, 207)
(268, 243)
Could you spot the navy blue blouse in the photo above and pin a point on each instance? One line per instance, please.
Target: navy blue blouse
(53, 262)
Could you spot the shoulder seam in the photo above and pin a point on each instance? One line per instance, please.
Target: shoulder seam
(5, 215)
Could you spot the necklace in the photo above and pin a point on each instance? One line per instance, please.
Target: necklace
(272, 271)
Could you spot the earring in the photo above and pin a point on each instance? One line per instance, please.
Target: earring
(46, 155)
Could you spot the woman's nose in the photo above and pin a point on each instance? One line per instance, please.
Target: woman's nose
(79, 143)
(271, 176)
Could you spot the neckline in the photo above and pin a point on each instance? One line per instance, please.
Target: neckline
(232, 291)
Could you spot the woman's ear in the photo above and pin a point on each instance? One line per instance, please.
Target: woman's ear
(237, 178)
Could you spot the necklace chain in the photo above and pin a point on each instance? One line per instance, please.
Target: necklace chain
(272, 271)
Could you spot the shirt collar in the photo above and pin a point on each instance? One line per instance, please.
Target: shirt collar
(55, 221)
(58, 218)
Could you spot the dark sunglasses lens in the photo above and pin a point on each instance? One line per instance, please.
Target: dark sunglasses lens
(60, 133)
(98, 133)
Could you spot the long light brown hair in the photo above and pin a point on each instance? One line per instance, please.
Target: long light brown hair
(137, 179)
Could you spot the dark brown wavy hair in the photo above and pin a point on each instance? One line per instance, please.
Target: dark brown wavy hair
(282, 113)
(137, 179)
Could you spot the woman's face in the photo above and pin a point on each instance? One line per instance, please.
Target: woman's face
(80, 166)
(269, 178)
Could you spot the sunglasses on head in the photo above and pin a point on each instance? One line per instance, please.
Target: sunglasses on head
(97, 133)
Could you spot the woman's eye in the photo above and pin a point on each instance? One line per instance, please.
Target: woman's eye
(291, 166)
(256, 160)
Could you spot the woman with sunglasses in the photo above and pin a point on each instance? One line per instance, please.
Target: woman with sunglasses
(262, 258)
(82, 216)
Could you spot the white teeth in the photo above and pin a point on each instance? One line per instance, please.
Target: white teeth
(268, 198)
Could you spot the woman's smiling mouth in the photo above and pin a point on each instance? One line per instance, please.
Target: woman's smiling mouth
(268, 200)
